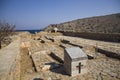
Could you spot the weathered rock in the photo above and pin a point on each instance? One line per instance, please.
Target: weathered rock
(46, 67)
(50, 66)
(49, 78)
(29, 71)
(37, 38)
(42, 41)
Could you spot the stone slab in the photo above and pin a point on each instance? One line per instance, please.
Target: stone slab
(76, 53)
(7, 58)
(40, 59)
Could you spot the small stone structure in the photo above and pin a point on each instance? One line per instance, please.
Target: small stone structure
(55, 29)
(75, 61)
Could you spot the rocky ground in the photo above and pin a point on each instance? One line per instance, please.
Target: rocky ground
(36, 49)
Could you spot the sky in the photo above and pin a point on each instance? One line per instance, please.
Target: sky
(37, 14)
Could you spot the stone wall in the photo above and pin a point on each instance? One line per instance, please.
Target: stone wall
(109, 54)
(97, 36)
(10, 61)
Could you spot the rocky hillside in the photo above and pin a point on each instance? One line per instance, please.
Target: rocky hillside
(100, 24)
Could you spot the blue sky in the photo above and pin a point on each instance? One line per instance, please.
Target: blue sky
(37, 14)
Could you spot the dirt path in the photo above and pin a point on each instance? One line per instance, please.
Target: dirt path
(26, 63)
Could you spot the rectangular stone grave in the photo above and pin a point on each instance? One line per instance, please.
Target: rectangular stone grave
(40, 59)
(75, 61)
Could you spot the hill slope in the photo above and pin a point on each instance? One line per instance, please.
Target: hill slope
(100, 24)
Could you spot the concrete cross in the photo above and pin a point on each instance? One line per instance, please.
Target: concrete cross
(79, 67)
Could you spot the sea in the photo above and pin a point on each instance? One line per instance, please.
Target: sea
(31, 31)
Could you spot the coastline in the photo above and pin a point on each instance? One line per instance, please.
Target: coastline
(31, 31)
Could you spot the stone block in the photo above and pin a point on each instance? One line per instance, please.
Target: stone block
(40, 59)
(75, 61)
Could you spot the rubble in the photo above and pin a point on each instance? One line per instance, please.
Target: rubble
(50, 66)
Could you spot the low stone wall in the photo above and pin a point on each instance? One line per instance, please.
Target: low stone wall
(108, 53)
(10, 61)
(96, 36)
